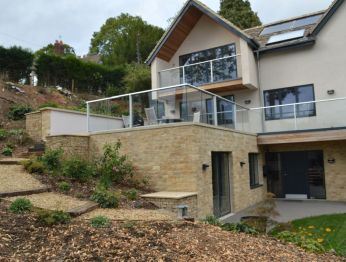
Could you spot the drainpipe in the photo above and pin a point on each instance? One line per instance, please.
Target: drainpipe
(260, 89)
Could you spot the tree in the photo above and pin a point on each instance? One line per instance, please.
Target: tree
(15, 63)
(58, 48)
(137, 78)
(239, 12)
(125, 39)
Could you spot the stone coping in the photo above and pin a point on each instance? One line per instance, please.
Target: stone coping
(170, 125)
(169, 195)
(71, 112)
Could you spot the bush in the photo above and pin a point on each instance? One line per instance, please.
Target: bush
(64, 186)
(3, 134)
(300, 240)
(114, 166)
(18, 136)
(17, 112)
(20, 205)
(239, 227)
(7, 151)
(131, 194)
(52, 159)
(49, 104)
(78, 169)
(212, 220)
(105, 198)
(100, 221)
(49, 218)
(34, 166)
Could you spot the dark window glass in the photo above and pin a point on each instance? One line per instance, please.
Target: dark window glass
(286, 96)
(253, 170)
(225, 111)
(202, 73)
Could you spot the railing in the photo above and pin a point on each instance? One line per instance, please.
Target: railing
(181, 103)
(207, 72)
(319, 114)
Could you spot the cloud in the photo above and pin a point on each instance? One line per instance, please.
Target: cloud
(35, 23)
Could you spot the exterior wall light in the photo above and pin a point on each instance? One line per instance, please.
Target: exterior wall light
(331, 92)
(247, 102)
(242, 164)
(205, 166)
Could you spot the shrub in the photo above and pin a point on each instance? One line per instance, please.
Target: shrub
(18, 136)
(52, 159)
(100, 221)
(239, 227)
(34, 166)
(212, 220)
(78, 169)
(17, 112)
(49, 218)
(7, 151)
(131, 194)
(20, 205)
(3, 134)
(113, 165)
(105, 198)
(64, 186)
(49, 104)
(299, 239)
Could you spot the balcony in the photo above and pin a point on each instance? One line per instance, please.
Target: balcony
(214, 75)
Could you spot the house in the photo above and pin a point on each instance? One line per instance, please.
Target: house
(234, 114)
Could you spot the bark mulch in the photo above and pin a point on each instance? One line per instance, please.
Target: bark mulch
(22, 239)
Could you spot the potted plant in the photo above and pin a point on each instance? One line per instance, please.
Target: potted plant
(262, 214)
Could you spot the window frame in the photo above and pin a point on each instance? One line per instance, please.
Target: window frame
(254, 170)
(269, 116)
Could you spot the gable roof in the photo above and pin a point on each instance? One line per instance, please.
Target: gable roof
(183, 24)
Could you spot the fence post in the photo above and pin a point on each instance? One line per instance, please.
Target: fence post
(184, 80)
(215, 110)
(88, 115)
(130, 112)
(211, 72)
(295, 116)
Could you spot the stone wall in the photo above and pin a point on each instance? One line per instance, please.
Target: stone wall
(73, 145)
(33, 124)
(335, 173)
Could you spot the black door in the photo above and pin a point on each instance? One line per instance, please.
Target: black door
(221, 184)
(294, 166)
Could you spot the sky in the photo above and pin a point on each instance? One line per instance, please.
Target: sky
(35, 23)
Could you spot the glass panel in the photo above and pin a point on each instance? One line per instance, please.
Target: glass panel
(225, 113)
(171, 77)
(306, 21)
(316, 175)
(276, 28)
(197, 74)
(286, 36)
(225, 69)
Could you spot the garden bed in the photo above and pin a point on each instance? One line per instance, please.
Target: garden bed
(22, 238)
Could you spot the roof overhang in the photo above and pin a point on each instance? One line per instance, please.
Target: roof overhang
(182, 26)
(306, 41)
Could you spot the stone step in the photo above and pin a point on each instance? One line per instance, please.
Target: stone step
(12, 161)
(83, 209)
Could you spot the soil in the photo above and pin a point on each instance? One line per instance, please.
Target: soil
(23, 239)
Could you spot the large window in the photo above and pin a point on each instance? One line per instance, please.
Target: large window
(290, 95)
(196, 72)
(225, 113)
(253, 170)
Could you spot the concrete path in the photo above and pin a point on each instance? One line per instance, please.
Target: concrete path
(295, 209)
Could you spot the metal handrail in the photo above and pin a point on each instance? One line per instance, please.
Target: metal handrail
(198, 63)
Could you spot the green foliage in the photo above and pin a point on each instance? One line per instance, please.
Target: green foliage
(34, 166)
(87, 76)
(114, 166)
(300, 240)
(7, 151)
(17, 112)
(52, 159)
(49, 218)
(18, 137)
(3, 134)
(58, 48)
(105, 198)
(78, 169)
(20, 205)
(212, 220)
(49, 104)
(239, 12)
(64, 186)
(239, 227)
(125, 39)
(100, 221)
(132, 194)
(15, 63)
(137, 78)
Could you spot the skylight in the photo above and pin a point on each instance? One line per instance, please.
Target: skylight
(290, 25)
(286, 36)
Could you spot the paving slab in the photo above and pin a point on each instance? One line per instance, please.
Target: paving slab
(13, 178)
(132, 214)
(55, 201)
